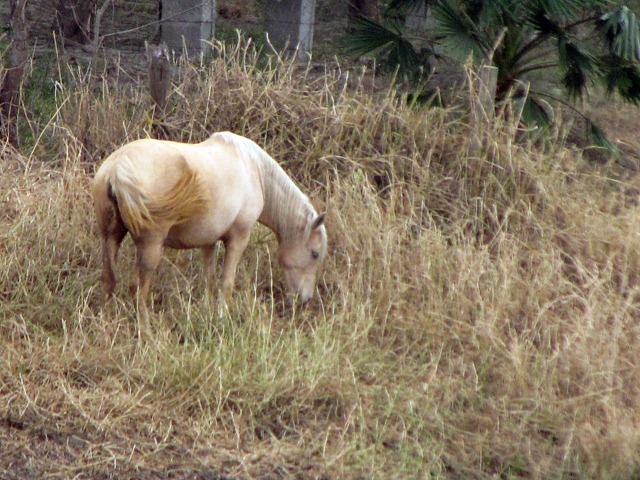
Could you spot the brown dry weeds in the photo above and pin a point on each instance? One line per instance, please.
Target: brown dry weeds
(479, 314)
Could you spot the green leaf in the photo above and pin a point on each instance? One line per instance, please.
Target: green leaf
(544, 24)
(534, 112)
(598, 138)
(387, 43)
(368, 36)
(622, 77)
(402, 55)
(406, 4)
(621, 32)
(458, 32)
(577, 64)
(564, 8)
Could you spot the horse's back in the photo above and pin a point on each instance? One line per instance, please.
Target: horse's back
(233, 188)
(229, 185)
(157, 164)
(150, 184)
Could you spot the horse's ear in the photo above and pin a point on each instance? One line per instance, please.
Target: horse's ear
(318, 221)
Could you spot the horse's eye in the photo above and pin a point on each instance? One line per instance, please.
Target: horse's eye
(314, 254)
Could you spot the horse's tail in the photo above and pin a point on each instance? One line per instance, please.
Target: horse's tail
(140, 211)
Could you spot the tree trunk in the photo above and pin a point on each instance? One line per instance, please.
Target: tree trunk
(367, 8)
(73, 19)
(17, 58)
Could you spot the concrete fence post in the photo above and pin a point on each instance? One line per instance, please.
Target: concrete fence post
(188, 24)
(482, 96)
(289, 23)
(416, 20)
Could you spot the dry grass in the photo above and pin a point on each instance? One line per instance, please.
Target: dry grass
(479, 314)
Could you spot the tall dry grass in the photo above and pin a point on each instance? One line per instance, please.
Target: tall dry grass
(478, 314)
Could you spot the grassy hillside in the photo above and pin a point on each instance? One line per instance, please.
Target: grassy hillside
(478, 313)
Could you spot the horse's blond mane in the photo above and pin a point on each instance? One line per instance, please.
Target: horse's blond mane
(284, 202)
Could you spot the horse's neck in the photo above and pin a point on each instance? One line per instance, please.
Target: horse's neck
(286, 208)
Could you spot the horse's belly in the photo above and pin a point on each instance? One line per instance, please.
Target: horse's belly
(194, 235)
(227, 212)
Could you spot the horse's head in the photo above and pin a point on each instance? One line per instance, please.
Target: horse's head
(301, 256)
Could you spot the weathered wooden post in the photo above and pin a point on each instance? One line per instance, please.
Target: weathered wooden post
(519, 97)
(289, 23)
(187, 25)
(159, 85)
(159, 75)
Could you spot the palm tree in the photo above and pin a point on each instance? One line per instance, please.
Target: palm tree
(577, 43)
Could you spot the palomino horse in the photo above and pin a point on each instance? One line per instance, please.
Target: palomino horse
(190, 196)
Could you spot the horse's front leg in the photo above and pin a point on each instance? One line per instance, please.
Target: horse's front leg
(234, 245)
(209, 263)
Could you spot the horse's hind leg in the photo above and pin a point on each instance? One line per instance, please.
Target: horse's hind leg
(113, 232)
(149, 253)
(110, 247)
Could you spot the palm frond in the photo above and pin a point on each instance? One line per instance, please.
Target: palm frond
(622, 77)
(402, 55)
(578, 66)
(595, 135)
(368, 36)
(388, 44)
(622, 33)
(534, 113)
(406, 4)
(458, 32)
(490, 14)
(564, 8)
(544, 23)
(598, 138)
